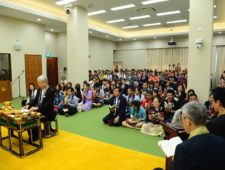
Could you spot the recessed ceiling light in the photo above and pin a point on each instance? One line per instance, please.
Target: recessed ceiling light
(134, 39)
(115, 21)
(90, 32)
(96, 12)
(152, 24)
(155, 37)
(107, 36)
(52, 29)
(214, 6)
(129, 27)
(168, 13)
(64, 2)
(215, 17)
(152, 2)
(220, 32)
(176, 21)
(38, 19)
(120, 39)
(140, 17)
(122, 7)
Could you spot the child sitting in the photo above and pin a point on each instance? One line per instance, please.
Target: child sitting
(137, 116)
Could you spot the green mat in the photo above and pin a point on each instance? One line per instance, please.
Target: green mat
(89, 124)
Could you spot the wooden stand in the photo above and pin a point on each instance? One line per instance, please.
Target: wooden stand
(5, 91)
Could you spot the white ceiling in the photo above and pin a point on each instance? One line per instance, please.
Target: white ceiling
(59, 25)
(139, 10)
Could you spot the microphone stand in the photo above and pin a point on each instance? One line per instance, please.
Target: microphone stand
(18, 78)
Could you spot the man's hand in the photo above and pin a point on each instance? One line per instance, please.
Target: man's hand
(33, 109)
(26, 107)
(116, 120)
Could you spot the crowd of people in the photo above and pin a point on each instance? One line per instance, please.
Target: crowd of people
(135, 97)
(139, 99)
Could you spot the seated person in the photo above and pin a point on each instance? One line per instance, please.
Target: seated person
(137, 115)
(209, 106)
(117, 107)
(99, 95)
(177, 115)
(217, 125)
(144, 90)
(147, 102)
(69, 104)
(43, 103)
(202, 151)
(78, 92)
(58, 100)
(170, 106)
(131, 97)
(87, 97)
(32, 95)
(156, 112)
(124, 86)
(181, 95)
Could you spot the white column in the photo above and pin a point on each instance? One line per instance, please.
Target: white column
(199, 60)
(77, 45)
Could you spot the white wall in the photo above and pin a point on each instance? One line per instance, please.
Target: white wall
(51, 43)
(137, 59)
(126, 51)
(32, 38)
(62, 53)
(100, 53)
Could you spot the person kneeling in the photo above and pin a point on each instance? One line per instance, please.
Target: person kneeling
(117, 108)
(137, 116)
(69, 105)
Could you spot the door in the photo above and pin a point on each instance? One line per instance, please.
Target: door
(52, 71)
(33, 69)
(5, 77)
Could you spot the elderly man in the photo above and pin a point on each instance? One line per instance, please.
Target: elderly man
(43, 102)
(202, 151)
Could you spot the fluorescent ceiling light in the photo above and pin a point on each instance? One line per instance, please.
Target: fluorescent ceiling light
(52, 29)
(177, 21)
(152, 24)
(214, 6)
(115, 21)
(120, 39)
(215, 17)
(64, 2)
(107, 36)
(96, 12)
(38, 19)
(153, 2)
(129, 27)
(90, 32)
(140, 17)
(168, 13)
(122, 7)
(134, 39)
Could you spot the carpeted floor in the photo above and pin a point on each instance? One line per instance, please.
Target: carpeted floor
(127, 147)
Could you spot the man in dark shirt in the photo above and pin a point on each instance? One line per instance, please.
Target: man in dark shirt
(118, 106)
(170, 105)
(43, 103)
(202, 151)
(217, 125)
